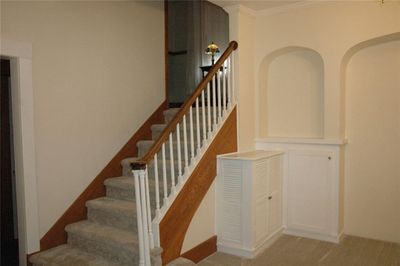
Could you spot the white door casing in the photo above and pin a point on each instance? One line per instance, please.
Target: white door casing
(20, 55)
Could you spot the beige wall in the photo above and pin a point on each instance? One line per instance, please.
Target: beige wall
(331, 29)
(241, 29)
(98, 73)
(202, 226)
(372, 203)
(293, 86)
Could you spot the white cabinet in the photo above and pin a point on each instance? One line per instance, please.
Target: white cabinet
(312, 187)
(310, 191)
(249, 201)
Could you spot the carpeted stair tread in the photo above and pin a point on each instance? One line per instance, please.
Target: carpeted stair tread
(103, 233)
(113, 212)
(181, 262)
(124, 182)
(106, 203)
(123, 187)
(145, 145)
(170, 114)
(116, 245)
(157, 129)
(65, 255)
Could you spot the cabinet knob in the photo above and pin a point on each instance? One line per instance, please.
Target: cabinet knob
(329, 158)
(270, 197)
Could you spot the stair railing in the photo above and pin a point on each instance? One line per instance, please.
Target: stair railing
(212, 101)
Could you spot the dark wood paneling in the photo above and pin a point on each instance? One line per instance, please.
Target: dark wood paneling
(77, 211)
(202, 250)
(176, 221)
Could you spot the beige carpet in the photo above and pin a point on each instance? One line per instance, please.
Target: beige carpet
(297, 251)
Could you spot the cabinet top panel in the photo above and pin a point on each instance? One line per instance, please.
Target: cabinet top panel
(250, 155)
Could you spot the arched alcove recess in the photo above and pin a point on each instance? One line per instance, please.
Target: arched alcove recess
(290, 94)
(371, 85)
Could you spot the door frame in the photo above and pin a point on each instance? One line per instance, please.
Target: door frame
(20, 56)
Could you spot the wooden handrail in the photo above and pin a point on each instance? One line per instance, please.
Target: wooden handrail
(233, 45)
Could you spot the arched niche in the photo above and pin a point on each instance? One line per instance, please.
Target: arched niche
(290, 98)
(371, 84)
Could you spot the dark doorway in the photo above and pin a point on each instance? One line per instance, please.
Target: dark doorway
(191, 26)
(9, 234)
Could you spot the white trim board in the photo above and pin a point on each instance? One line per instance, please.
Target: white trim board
(20, 55)
(238, 250)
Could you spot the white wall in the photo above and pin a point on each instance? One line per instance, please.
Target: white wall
(202, 226)
(98, 73)
(331, 29)
(293, 85)
(372, 203)
(241, 29)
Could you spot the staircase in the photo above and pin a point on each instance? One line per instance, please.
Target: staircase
(109, 235)
(119, 229)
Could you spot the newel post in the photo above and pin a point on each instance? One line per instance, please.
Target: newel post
(139, 175)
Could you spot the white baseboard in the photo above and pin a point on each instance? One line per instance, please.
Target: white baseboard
(249, 253)
(317, 236)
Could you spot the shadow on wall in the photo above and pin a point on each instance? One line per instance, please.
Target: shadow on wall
(291, 94)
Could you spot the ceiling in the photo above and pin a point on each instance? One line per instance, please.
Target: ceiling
(254, 4)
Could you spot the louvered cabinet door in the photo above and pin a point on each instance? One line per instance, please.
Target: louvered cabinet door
(249, 201)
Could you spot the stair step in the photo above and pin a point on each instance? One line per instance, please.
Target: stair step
(169, 114)
(144, 146)
(181, 262)
(118, 246)
(66, 255)
(127, 169)
(157, 129)
(126, 165)
(113, 212)
(122, 188)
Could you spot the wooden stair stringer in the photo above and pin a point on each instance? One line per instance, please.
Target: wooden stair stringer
(174, 225)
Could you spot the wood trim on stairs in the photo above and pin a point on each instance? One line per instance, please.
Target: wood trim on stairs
(202, 251)
(77, 211)
(176, 221)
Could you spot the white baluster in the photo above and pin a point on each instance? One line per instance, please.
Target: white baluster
(219, 99)
(198, 126)
(214, 103)
(203, 112)
(178, 140)
(157, 186)
(191, 135)
(229, 83)
(164, 168)
(224, 88)
(146, 186)
(171, 159)
(233, 78)
(144, 216)
(185, 148)
(139, 217)
(208, 111)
